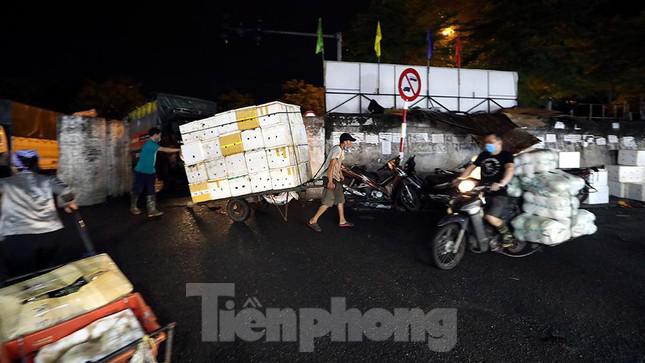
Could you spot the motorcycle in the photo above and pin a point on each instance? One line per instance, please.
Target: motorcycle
(399, 187)
(464, 225)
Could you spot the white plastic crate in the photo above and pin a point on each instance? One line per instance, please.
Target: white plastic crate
(617, 189)
(600, 196)
(302, 153)
(631, 157)
(192, 153)
(284, 178)
(626, 174)
(252, 139)
(240, 185)
(278, 135)
(216, 169)
(273, 119)
(636, 192)
(189, 127)
(261, 182)
(210, 133)
(190, 137)
(256, 161)
(304, 170)
(223, 118)
(569, 160)
(196, 173)
(236, 165)
(219, 189)
(212, 149)
(599, 178)
(281, 157)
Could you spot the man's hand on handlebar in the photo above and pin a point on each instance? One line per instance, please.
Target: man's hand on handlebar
(496, 186)
(71, 207)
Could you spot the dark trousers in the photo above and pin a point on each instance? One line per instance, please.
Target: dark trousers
(26, 253)
(144, 184)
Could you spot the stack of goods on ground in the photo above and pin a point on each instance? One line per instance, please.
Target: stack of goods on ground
(249, 150)
(93, 158)
(627, 179)
(82, 311)
(549, 200)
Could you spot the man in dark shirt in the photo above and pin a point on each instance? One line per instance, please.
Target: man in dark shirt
(496, 171)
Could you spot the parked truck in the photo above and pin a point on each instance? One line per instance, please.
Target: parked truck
(24, 127)
(167, 112)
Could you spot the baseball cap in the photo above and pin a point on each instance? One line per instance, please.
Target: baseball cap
(346, 137)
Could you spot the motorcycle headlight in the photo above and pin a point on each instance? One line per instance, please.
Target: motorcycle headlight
(466, 185)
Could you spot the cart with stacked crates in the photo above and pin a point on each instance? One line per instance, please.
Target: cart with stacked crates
(59, 314)
(252, 155)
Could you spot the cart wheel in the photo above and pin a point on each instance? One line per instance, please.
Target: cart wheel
(238, 210)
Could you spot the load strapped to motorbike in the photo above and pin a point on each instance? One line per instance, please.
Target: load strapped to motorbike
(544, 212)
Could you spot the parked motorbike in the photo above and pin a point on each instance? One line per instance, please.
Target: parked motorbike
(399, 187)
(464, 225)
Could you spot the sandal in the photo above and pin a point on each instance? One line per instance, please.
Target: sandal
(314, 226)
(346, 225)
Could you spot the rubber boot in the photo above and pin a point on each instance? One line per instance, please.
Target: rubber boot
(507, 237)
(133, 204)
(152, 207)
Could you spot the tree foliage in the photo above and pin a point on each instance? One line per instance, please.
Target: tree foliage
(235, 99)
(307, 96)
(112, 98)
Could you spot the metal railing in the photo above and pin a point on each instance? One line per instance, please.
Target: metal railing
(431, 101)
(601, 111)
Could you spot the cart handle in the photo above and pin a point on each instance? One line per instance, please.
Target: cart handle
(169, 329)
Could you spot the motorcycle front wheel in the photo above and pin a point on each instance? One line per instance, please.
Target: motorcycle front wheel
(409, 198)
(442, 249)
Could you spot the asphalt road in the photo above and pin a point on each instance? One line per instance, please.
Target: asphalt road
(580, 301)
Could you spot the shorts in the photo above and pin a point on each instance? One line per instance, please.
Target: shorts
(332, 197)
(498, 206)
(143, 184)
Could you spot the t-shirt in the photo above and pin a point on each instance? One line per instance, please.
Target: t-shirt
(27, 204)
(147, 158)
(337, 153)
(492, 168)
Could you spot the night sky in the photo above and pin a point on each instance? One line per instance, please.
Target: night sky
(48, 50)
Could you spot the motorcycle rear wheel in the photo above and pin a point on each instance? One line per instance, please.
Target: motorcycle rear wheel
(441, 257)
(411, 202)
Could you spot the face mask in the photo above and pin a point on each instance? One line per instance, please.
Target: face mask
(490, 148)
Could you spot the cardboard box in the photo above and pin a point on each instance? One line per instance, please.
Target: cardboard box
(600, 196)
(60, 295)
(631, 157)
(256, 161)
(231, 144)
(626, 174)
(569, 160)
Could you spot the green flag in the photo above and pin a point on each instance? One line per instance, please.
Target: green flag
(320, 45)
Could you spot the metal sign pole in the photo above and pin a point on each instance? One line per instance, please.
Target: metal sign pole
(404, 128)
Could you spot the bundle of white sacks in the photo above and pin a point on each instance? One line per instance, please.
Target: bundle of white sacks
(551, 208)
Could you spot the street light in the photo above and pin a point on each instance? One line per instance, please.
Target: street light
(449, 31)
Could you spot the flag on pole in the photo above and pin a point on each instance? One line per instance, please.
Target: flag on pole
(458, 52)
(429, 39)
(320, 45)
(377, 41)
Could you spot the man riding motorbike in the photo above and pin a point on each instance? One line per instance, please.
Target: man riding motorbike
(496, 172)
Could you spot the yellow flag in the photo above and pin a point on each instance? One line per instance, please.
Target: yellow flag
(377, 40)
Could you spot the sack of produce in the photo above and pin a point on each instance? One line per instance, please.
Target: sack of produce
(532, 228)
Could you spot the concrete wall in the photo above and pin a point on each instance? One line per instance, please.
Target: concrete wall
(450, 149)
